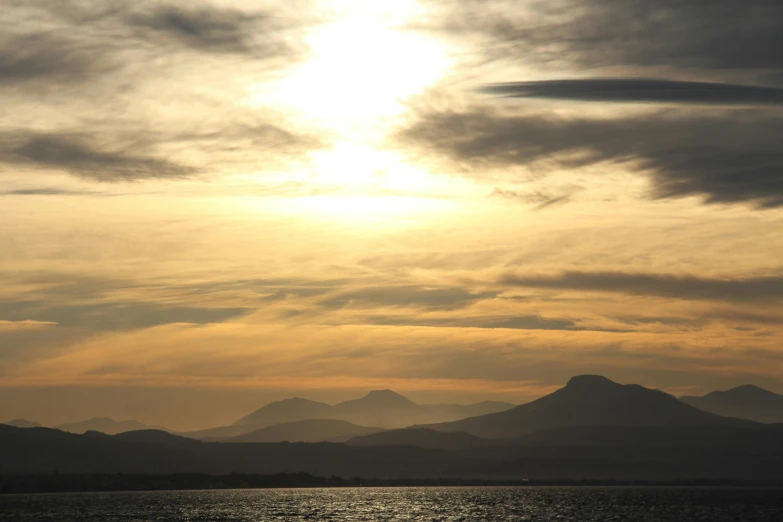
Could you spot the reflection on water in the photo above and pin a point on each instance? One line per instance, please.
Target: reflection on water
(392, 504)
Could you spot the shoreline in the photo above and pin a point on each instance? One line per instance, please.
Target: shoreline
(122, 482)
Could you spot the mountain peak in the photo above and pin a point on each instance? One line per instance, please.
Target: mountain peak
(383, 393)
(386, 397)
(590, 381)
(750, 389)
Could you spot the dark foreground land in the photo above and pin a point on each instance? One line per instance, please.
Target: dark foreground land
(72, 483)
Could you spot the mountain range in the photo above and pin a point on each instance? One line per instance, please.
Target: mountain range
(383, 408)
(589, 400)
(315, 430)
(379, 408)
(591, 428)
(104, 425)
(747, 402)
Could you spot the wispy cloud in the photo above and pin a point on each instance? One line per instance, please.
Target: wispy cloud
(663, 285)
(641, 90)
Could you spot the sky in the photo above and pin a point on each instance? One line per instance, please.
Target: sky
(205, 206)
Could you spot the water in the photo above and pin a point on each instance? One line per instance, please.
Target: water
(393, 504)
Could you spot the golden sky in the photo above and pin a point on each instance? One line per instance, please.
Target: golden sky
(208, 205)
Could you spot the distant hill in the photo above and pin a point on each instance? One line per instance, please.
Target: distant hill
(589, 400)
(221, 432)
(22, 423)
(462, 411)
(104, 425)
(44, 450)
(315, 430)
(743, 402)
(154, 437)
(287, 410)
(383, 408)
(421, 438)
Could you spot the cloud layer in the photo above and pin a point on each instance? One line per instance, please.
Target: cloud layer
(723, 157)
(641, 90)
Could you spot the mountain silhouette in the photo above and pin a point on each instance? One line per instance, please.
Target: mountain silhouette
(104, 425)
(382, 408)
(754, 452)
(744, 402)
(153, 437)
(589, 400)
(315, 430)
(287, 410)
(22, 423)
(421, 438)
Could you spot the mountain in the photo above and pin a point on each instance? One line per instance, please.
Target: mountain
(22, 423)
(463, 411)
(743, 402)
(383, 408)
(45, 451)
(104, 425)
(221, 432)
(623, 453)
(589, 400)
(421, 438)
(693, 437)
(153, 437)
(316, 430)
(287, 410)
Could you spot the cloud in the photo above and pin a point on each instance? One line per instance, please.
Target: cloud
(50, 191)
(107, 316)
(81, 42)
(725, 157)
(541, 200)
(436, 298)
(641, 90)
(715, 36)
(74, 155)
(56, 58)
(519, 322)
(209, 28)
(767, 288)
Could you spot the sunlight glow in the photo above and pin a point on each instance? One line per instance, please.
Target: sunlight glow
(364, 65)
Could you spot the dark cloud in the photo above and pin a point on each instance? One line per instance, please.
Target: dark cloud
(717, 35)
(407, 296)
(658, 285)
(58, 59)
(106, 316)
(724, 157)
(50, 191)
(206, 28)
(131, 151)
(521, 322)
(641, 90)
(78, 41)
(74, 155)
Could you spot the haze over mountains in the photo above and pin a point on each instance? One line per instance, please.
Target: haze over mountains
(747, 402)
(315, 430)
(591, 428)
(383, 408)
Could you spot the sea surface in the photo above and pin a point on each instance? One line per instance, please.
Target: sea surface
(545, 504)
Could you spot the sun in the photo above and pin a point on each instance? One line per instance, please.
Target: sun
(364, 64)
